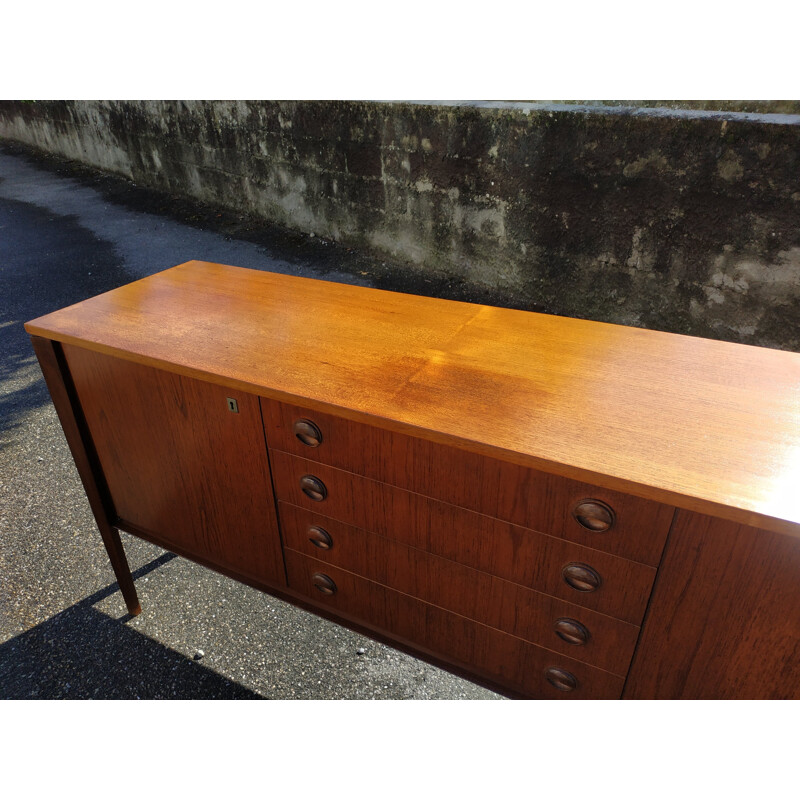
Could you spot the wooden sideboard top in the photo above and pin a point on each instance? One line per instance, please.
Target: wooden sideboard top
(709, 426)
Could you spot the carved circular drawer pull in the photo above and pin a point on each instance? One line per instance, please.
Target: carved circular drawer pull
(581, 577)
(313, 487)
(308, 433)
(324, 583)
(594, 515)
(562, 680)
(319, 537)
(571, 631)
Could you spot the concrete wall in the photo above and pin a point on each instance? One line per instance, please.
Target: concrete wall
(681, 220)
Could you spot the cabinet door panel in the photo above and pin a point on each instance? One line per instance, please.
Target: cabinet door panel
(724, 620)
(179, 464)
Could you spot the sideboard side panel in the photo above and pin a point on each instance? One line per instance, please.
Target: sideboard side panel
(724, 618)
(62, 392)
(180, 464)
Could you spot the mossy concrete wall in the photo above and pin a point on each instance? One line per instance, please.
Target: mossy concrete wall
(686, 221)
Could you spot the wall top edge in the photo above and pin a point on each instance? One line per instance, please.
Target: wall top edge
(523, 107)
(530, 107)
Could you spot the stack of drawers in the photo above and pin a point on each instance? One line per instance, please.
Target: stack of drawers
(537, 582)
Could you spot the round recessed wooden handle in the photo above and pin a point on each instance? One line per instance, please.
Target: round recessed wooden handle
(571, 631)
(308, 433)
(562, 680)
(581, 577)
(594, 515)
(319, 537)
(313, 487)
(324, 583)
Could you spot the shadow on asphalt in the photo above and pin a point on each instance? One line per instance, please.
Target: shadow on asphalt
(82, 654)
(46, 262)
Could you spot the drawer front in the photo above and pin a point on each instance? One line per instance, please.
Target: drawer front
(538, 618)
(508, 551)
(547, 503)
(505, 659)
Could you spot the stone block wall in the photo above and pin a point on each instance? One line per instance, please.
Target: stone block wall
(686, 221)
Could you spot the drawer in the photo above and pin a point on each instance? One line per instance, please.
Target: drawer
(538, 500)
(508, 551)
(505, 659)
(585, 635)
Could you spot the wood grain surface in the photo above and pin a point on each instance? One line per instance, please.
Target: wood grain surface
(509, 492)
(178, 463)
(704, 425)
(476, 595)
(512, 662)
(484, 543)
(724, 621)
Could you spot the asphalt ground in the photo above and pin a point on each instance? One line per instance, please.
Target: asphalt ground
(67, 234)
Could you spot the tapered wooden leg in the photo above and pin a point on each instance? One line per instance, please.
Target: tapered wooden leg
(119, 563)
(59, 384)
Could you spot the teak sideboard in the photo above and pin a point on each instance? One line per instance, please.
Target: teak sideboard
(552, 507)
